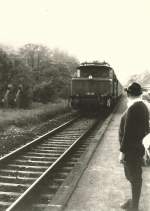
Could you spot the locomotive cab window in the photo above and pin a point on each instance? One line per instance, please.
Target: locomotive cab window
(95, 72)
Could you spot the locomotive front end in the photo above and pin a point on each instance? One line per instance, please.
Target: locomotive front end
(91, 93)
(93, 87)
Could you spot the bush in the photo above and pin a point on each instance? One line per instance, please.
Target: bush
(44, 74)
(27, 96)
(43, 92)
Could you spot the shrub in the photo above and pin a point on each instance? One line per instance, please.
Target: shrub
(43, 92)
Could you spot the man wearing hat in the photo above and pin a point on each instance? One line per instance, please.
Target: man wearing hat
(134, 126)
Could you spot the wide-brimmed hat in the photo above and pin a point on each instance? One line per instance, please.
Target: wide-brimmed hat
(134, 89)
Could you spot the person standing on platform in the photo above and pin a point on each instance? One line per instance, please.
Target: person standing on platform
(134, 125)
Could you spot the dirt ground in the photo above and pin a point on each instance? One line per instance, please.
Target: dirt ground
(14, 136)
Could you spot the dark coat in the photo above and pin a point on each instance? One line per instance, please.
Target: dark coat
(134, 126)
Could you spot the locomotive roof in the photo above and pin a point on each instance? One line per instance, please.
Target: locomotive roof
(96, 64)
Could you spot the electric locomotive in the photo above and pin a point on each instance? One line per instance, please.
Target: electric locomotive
(95, 86)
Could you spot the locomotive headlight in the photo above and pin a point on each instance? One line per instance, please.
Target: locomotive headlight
(90, 77)
(90, 93)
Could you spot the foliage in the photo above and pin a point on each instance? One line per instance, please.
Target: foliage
(142, 78)
(6, 71)
(43, 92)
(44, 73)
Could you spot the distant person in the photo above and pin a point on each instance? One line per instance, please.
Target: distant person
(134, 126)
(8, 97)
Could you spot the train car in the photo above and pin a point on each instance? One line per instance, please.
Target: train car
(95, 86)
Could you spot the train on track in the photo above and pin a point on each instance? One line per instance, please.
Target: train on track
(95, 86)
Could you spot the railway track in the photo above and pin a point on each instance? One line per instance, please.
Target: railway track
(54, 194)
(24, 171)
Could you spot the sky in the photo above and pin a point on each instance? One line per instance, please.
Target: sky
(117, 31)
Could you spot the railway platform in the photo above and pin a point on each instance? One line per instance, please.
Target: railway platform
(103, 186)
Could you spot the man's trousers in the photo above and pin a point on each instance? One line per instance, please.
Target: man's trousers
(133, 173)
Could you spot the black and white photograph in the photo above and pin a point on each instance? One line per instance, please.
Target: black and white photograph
(74, 105)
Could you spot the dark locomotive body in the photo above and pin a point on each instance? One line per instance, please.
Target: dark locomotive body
(95, 86)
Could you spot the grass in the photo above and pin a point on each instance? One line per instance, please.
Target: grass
(36, 114)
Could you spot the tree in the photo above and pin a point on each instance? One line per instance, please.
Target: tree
(35, 56)
(36, 67)
(61, 57)
(5, 69)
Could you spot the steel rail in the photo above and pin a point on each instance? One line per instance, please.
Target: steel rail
(21, 202)
(16, 152)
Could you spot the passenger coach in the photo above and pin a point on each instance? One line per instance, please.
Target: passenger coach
(95, 86)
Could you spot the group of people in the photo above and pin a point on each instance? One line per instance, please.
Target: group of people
(134, 126)
(12, 99)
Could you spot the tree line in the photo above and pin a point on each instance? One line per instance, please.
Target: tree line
(142, 78)
(41, 74)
